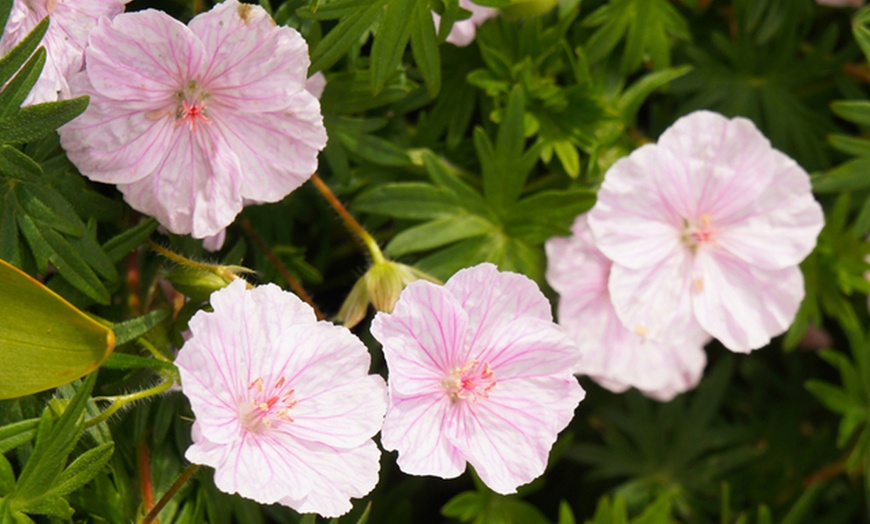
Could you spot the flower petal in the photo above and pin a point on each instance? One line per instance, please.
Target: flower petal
(415, 427)
(493, 299)
(508, 437)
(252, 65)
(146, 55)
(638, 216)
(741, 305)
(195, 188)
(278, 149)
(649, 299)
(344, 417)
(423, 338)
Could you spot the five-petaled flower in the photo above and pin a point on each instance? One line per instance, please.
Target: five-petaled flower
(614, 356)
(285, 408)
(714, 213)
(64, 42)
(478, 373)
(193, 121)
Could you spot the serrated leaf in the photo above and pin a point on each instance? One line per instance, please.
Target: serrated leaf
(132, 329)
(344, 36)
(390, 42)
(50, 453)
(16, 91)
(17, 433)
(463, 194)
(376, 150)
(850, 176)
(120, 246)
(38, 120)
(414, 200)
(424, 47)
(633, 98)
(856, 111)
(437, 233)
(834, 398)
(504, 176)
(84, 468)
(18, 55)
(44, 341)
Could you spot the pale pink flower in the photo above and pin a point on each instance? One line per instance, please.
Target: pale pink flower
(64, 42)
(841, 3)
(463, 31)
(614, 356)
(478, 373)
(191, 121)
(714, 213)
(285, 408)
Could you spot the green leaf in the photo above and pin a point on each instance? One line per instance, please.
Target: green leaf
(633, 98)
(414, 200)
(424, 46)
(392, 38)
(834, 398)
(7, 477)
(345, 35)
(14, 59)
(861, 32)
(82, 470)
(16, 91)
(53, 445)
(437, 233)
(120, 246)
(566, 516)
(126, 361)
(132, 329)
(466, 506)
(376, 150)
(38, 120)
(504, 174)
(45, 341)
(647, 26)
(17, 433)
(857, 111)
(463, 194)
(851, 176)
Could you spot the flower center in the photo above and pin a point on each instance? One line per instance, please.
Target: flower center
(267, 405)
(471, 382)
(191, 107)
(697, 232)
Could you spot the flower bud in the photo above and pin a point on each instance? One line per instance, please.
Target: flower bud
(381, 286)
(199, 283)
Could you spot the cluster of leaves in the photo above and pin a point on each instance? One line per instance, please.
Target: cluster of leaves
(453, 157)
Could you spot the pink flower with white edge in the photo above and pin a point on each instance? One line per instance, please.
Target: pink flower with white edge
(711, 212)
(285, 408)
(192, 121)
(478, 373)
(64, 42)
(613, 355)
(463, 31)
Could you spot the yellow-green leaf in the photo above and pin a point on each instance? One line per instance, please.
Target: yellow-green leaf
(44, 340)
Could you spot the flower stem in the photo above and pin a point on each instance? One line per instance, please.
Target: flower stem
(185, 476)
(122, 400)
(175, 257)
(351, 223)
(282, 269)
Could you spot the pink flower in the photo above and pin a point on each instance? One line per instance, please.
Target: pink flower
(191, 121)
(463, 31)
(478, 372)
(285, 408)
(712, 213)
(841, 3)
(614, 356)
(71, 21)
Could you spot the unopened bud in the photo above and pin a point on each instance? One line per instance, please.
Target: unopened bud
(381, 286)
(199, 283)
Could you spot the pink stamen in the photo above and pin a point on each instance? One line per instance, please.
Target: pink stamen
(190, 113)
(470, 382)
(268, 406)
